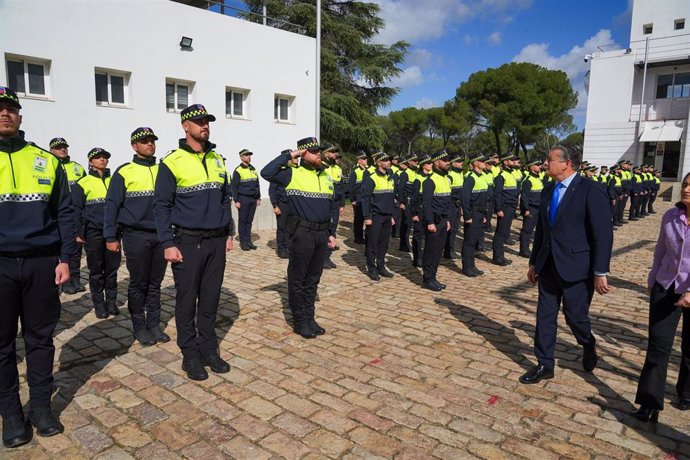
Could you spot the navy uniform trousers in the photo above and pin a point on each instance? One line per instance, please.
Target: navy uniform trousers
(663, 322)
(502, 232)
(434, 243)
(308, 251)
(471, 235)
(246, 218)
(575, 298)
(146, 265)
(29, 294)
(198, 279)
(281, 227)
(528, 225)
(405, 226)
(449, 250)
(358, 223)
(378, 234)
(74, 265)
(103, 266)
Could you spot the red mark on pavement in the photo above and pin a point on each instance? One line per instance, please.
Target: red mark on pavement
(493, 400)
(670, 456)
(375, 361)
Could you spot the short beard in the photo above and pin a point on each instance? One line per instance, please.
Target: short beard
(316, 163)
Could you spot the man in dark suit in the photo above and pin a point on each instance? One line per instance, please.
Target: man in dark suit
(570, 258)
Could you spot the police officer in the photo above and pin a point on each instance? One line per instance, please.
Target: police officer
(647, 183)
(378, 191)
(74, 171)
(129, 210)
(656, 185)
(247, 196)
(335, 172)
(426, 167)
(279, 202)
(505, 202)
(192, 201)
(310, 194)
(407, 192)
(475, 193)
(530, 198)
(355, 184)
(436, 211)
(457, 177)
(489, 175)
(626, 183)
(635, 194)
(35, 249)
(396, 170)
(88, 196)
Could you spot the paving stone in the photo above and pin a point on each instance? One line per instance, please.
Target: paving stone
(328, 443)
(285, 446)
(240, 447)
(91, 439)
(291, 423)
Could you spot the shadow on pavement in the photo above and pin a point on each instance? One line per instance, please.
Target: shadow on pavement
(282, 289)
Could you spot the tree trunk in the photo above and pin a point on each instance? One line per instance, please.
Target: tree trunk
(497, 138)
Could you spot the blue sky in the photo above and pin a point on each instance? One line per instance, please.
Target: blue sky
(451, 39)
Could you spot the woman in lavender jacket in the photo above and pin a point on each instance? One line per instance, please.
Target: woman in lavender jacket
(669, 287)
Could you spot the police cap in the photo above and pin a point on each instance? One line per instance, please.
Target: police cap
(477, 156)
(440, 155)
(196, 112)
(57, 142)
(380, 156)
(142, 133)
(246, 152)
(9, 96)
(97, 152)
(361, 155)
(423, 159)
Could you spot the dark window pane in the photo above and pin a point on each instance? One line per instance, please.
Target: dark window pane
(117, 89)
(283, 109)
(101, 88)
(182, 97)
(682, 85)
(663, 86)
(680, 24)
(228, 103)
(169, 96)
(37, 83)
(275, 108)
(15, 76)
(237, 104)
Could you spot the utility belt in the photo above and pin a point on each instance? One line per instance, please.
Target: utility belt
(199, 233)
(43, 251)
(295, 221)
(128, 228)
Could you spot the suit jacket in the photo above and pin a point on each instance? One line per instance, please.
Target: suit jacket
(581, 238)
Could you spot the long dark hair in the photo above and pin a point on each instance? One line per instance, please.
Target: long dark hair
(680, 204)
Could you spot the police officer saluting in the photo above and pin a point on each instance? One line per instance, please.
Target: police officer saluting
(310, 194)
(378, 194)
(74, 171)
(129, 206)
(192, 208)
(247, 196)
(436, 211)
(36, 243)
(88, 196)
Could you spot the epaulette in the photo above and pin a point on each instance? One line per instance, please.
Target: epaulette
(39, 147)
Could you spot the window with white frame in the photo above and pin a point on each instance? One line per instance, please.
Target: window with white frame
(673, 86)
(236, 103)
(178, 95)
(28, 76)
(282, 108)
(112, 87)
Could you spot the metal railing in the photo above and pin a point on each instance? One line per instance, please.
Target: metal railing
(661, 109)
(669, 47)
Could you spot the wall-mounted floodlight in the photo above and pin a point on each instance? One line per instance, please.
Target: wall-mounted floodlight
(186, 43)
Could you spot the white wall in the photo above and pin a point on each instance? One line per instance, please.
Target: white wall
(660, 13)
(142, 37)
(610, 87)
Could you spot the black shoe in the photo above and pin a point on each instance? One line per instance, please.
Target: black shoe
(646, 414)
(652, 212)
(681, 404)
(316, 328)
(511, 242)
(145, 338)
(216, 364)
(69, 288)
(384, 272)
(416, 263)
(304, 329)
(15, 431)
(502, 262)
(252, 246)
(158, 335)
(328, 264)
(633, 219)
(45, 422)
(283, 254)
(112, 309)
(79, 287)
(449, 256)
(480, 249)
(441, 285)
(470, 272)
(373, 275)
(525, 254)
(590, 358)
(101, 312)
(432, 286)
(359, 241)
(536, 374)
(194, 369)
(244, 247)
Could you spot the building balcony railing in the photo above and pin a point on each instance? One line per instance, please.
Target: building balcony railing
(673, 49)
(661, 109)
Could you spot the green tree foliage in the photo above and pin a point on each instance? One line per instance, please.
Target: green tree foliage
(521, 100)
(354, 71)
(402, 128)
(575, 139)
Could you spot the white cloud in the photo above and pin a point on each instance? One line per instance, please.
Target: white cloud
(495, 38)
(425, 103)
(411, 76)
(572, 62)
(420, 57)
(469, 39)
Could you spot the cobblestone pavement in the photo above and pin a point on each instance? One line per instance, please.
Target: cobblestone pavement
(402, 372)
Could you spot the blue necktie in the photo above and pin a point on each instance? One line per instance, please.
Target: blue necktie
(553, 209)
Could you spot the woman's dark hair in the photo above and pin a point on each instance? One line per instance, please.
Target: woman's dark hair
(680, 204)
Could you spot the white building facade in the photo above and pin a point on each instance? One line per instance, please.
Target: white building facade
(92, 71)
(639, 95)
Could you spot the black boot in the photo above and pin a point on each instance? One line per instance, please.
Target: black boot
(45, 422)
(15, 431)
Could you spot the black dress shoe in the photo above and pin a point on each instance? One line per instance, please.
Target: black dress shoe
(432, 286)
(511, 242)
(304, 330)
(15, 431)
(316, 328)
(646, 414)
(145, 338)
(525, 254)
(252, 246)
(633, 219)
(101, 312)
(502, 262)
(471, 272)
(112, 309)
(79, 287)
(328, 264)
(373, 275)
(441, 285)
(194, 369)
(385, 273)
(283, 254)
(590, 358)
(244, 247)
(160, 336)
(45, 422)
(449, 256)
(69, 288)
(681, 404)
(536, 374)
(216, 364)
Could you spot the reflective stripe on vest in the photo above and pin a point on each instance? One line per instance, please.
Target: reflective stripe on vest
(190, 174)
(139, 180)
(27, 175)
(309, 183)
(480, 184)
(95, 188)
(383, 184)
(359, 174)
(74, 171)
(335, 172)
(509, 180)
(457, 179)
(536, 183)
(247, 174)
(441, 184)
